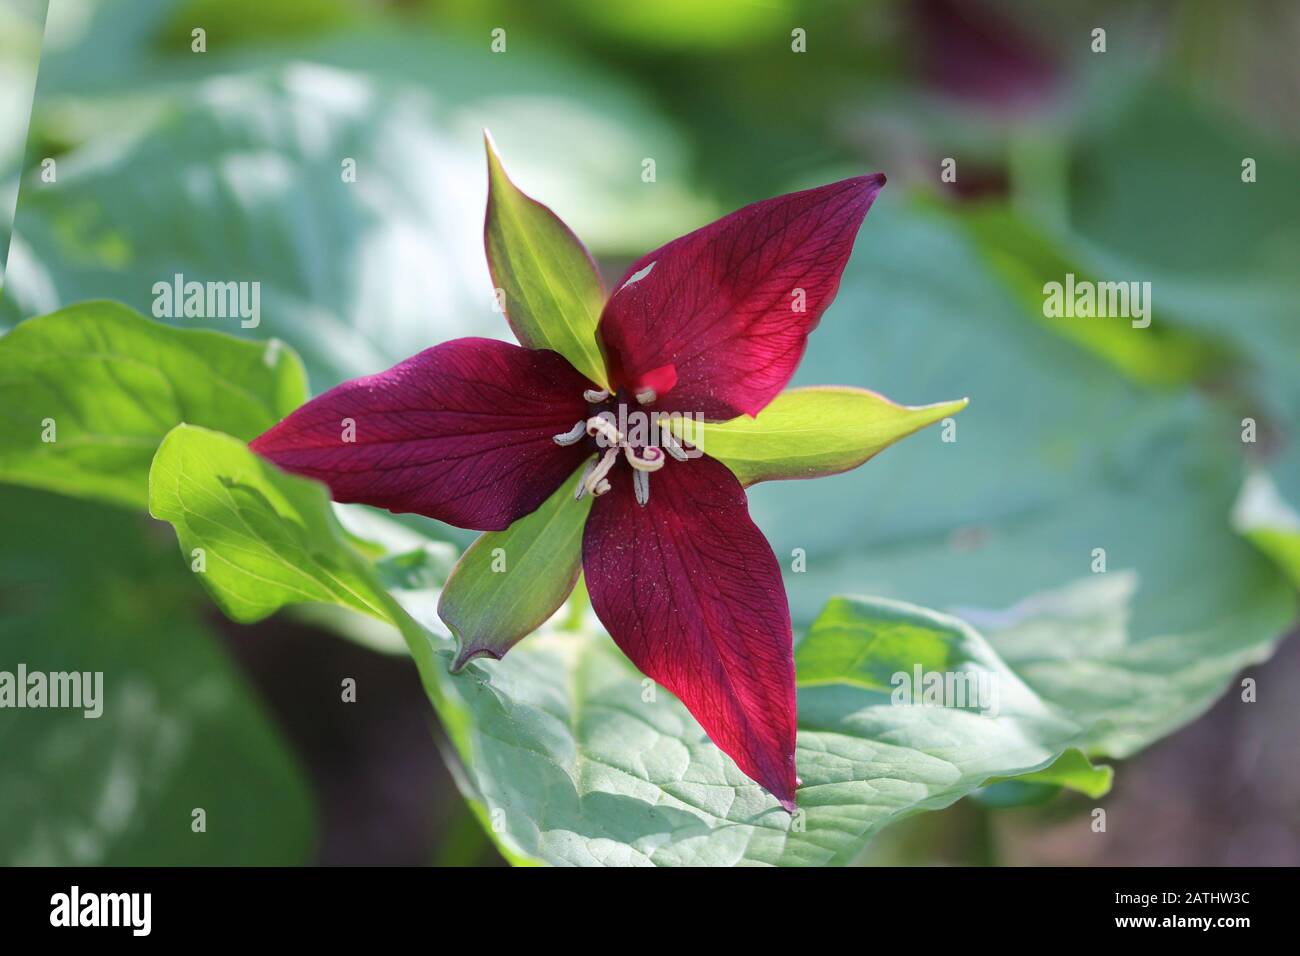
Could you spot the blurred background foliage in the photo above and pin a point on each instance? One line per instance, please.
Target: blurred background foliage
(1122, 165)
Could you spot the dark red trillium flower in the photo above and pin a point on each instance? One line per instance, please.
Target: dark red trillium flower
(479, 433)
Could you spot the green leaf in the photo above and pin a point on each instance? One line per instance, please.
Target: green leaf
(270, 540)
(1064, 455)
(1073, 770)
(560, 739)
(680, 25)
(1180, 203)
(1076, 647)
(810, 432)
(892, 648)
(1269, 521)
(231, 23)
(264, 538)
(227, 167)
(552, 290)
(510, 582)
(561, 736)
(1220, 252)
(1027, 259)
(89, 391)
(87, 588)
(578, 765)
(861, 642)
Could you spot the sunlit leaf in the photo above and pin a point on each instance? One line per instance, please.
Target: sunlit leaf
(89, 391)
(569, 755)
(266, 539)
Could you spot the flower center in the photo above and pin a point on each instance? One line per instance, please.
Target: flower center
(641, 437)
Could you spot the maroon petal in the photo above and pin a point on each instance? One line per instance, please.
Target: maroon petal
(722, 306)
(690, 590)
(462, 432)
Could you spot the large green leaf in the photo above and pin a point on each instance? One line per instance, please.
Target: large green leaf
(550, 288)
(89, 391)
(567, 762)
(1219, 251)
(1077, 648)
(569, 755)
(85, 589)
(1158, 349)
(1179, 203)
(577, 764)
(508, 583)
(810, 432)
(244, 183)
(229, 166)
(1058, 455)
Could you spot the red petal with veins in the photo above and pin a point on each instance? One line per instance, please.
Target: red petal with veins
(721, 305)
(690, 590)
(462, 432)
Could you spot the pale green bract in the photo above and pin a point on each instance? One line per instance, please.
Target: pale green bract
(810, 432)
(509, 582)
(548, 285)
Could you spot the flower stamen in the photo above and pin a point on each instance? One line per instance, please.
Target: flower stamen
(641, 487)
(668, 440)
(582, 484)
(595, 482)
(644, 459)
(572, 435)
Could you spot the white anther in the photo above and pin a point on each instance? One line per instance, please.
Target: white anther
(646, 396)
(641, 486)
(572, 435)
(595, 395)
(603, 427)
(594, 481)
(644, 459)
(669, 441)
(582, 485)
